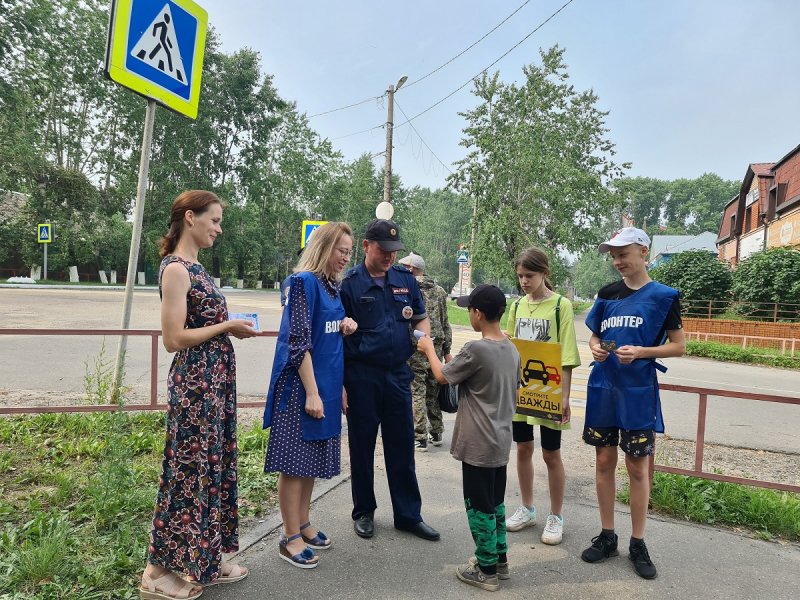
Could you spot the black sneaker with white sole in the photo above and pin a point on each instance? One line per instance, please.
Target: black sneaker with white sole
(421, 445)
(436, 439)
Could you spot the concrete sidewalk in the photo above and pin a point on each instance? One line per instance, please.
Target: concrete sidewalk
(693, 561)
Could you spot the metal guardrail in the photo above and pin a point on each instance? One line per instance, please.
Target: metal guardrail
(773, 312)
(154, 334)
(702, 407)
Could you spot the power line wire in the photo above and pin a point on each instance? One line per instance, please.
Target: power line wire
(333, 110)
(468, 48)
(341, 137)
(421, 138)
(439, 68)
(471, 79)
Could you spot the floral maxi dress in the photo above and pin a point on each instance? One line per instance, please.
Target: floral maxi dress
(196, 518)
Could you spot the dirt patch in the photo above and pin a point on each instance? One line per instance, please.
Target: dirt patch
(777, 467)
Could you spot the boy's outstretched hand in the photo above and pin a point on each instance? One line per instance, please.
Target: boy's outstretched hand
(424, 345)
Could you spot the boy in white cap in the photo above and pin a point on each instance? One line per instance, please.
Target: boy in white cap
(630, 322)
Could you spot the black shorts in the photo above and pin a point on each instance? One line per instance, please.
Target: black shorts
(634, 442)
(522, 432)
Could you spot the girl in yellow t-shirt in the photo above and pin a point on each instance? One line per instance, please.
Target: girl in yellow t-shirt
(542, 315)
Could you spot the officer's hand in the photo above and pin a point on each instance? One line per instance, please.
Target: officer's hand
(598, 353)
(314, 406)
(424, 345)
(348, 326)
(344, 401)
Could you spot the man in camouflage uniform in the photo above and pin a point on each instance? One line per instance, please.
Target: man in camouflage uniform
(425, 388)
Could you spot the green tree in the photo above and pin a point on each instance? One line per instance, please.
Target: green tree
(682, 206)
(767, 281)
(539, 165)
(592, 271)
(700, 277)
(422, 216)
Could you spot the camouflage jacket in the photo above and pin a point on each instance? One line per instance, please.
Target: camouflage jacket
(436, 309)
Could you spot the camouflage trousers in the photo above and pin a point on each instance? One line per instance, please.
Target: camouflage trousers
(425, 397)
(484, 492)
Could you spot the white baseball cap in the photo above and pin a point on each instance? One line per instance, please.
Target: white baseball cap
(625, 237)
(413, 260)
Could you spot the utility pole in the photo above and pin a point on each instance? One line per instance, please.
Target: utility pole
(387, 169)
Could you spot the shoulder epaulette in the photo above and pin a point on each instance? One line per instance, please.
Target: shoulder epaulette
(401, 268)
(350, 272)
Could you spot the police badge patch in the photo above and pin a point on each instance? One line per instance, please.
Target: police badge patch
(407, 312)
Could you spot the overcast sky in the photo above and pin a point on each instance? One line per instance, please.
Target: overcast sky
(692, 86)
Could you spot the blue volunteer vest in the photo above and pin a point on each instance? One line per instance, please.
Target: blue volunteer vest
(626, 396)
(327, 356)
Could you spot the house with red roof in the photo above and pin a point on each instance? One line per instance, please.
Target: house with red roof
(765, 213)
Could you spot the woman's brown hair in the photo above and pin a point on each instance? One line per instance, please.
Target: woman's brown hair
(534, 259)
(196, 201)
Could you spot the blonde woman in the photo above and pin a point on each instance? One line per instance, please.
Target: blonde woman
(306, 392)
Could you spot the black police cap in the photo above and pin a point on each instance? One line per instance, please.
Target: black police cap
(386, 233)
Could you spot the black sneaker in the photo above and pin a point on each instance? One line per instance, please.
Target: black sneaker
(436, 439)
(640, 558)
(421, 445)
(603, 546)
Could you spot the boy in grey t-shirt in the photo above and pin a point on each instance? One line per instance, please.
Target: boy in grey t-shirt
(487, 373)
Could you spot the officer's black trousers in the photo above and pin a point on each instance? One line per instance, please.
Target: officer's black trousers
(382, 396)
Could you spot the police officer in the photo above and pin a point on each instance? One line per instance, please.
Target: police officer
(384, 300)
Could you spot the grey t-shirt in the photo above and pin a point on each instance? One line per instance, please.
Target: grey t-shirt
(487, 372)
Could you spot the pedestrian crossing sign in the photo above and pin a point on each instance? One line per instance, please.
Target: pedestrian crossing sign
(45, 233)
(309, 227)
(155, 48)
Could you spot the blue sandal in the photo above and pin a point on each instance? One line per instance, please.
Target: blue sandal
(318, 542)
(307, 559)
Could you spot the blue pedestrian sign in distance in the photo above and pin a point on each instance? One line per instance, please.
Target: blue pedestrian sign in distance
(44, 233)
(155, 48)
(462, 258)
(308, 228)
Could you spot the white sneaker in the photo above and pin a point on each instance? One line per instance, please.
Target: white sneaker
(521, 519)
(553, 530)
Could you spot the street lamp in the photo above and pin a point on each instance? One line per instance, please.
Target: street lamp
(387, 170)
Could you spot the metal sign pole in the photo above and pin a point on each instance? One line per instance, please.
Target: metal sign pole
(44, 277)
(136, 237)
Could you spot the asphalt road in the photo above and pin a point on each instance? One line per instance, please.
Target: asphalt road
(55, 366)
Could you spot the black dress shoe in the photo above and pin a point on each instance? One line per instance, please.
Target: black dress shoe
(364, 526)
(422, 530)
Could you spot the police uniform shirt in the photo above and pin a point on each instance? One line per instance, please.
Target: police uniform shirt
(383, 307)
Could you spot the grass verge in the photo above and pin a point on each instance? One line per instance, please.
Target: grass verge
(459, 316)
(76, 499)
(766, 513)
(731, 353)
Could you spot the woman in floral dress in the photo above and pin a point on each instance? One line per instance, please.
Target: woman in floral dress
(195, 518)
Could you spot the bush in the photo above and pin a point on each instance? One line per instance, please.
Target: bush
(730, 353)
(771, 276)
(699, 276)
